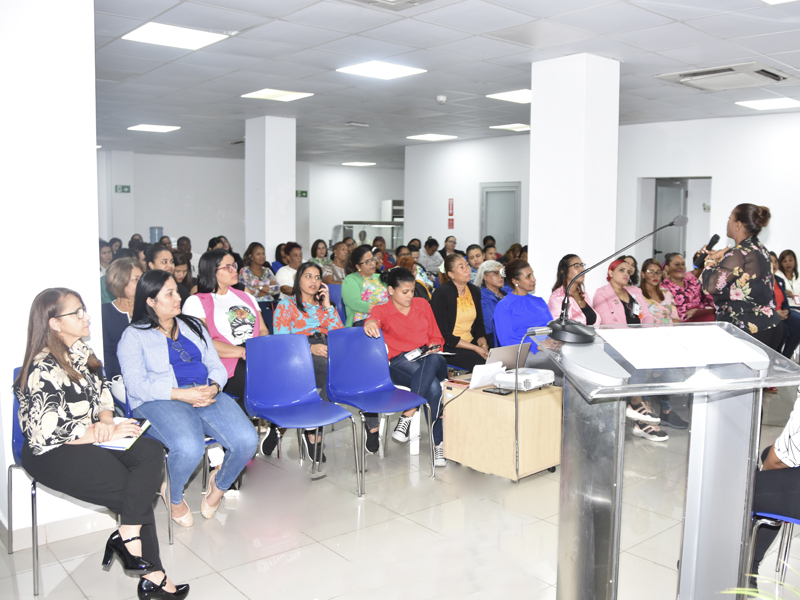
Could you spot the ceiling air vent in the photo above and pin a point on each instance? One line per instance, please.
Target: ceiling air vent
(731, 77)
(392, 4)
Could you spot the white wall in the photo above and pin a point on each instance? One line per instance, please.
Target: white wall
(339, 194)
(749, 159)
(438, 171)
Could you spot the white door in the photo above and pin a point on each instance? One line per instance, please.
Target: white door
(670, 202)
(500, 213)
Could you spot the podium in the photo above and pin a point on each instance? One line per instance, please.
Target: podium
(725, 399)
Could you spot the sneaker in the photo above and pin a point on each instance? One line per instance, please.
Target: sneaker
(373, 441)
(641, 413)
(400, 432)
(673, 420)
(312, 449)
(438, 456)
(649, 432)
(270, 441)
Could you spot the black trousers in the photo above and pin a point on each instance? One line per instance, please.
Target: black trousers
(235, 385)
(772, 337)
(464, 358)
(125, 482)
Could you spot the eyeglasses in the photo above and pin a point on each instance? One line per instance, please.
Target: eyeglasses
(581, 265)
(185, 356)
(403, 254)
(368, 261)
(230, 267)
(653, 272)
(80, 313)
(350, 244)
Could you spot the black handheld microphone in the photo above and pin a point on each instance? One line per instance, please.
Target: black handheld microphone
(566, 330)
(712, 242)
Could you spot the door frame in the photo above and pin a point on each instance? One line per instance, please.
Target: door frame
(683, 184)
(503, 186)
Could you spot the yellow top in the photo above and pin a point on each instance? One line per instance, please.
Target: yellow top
(465, 316)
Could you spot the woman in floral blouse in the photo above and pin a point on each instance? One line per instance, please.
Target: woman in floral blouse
(65, 407)
(660, 302)
(741, 280)
(259, 280)
(362, 288)
(694, 305)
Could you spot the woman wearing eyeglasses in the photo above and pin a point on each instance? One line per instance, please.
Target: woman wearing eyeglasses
(490, 282)
(174, 379)
(580, 305)
(65, 406)
(362, 288)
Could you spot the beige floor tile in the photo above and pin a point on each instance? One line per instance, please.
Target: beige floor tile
(215, 587)
(663, 549)
(640, 579)
(659, 495)
(639, 525)
(534, 550)
(409, 493)
(533, 497)
(54, 584)
(22, 560)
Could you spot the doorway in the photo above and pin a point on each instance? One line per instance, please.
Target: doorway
(500, 213)
(670, 202)
(662, 200)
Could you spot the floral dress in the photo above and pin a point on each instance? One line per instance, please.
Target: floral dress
(54, 409)
(690, 296)
(251, 282)
(664, 312)
(744, 288)
(315, 319)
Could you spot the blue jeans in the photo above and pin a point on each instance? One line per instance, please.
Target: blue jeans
(181, 428)
(422, 377)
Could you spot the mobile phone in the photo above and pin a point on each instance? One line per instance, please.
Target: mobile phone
(498, 391)
(434, 348)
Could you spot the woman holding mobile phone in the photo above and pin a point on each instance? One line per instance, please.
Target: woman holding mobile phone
(309, 311)
(407, 324)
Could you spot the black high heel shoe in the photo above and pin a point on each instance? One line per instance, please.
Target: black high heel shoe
(147, 590)
(134, 564)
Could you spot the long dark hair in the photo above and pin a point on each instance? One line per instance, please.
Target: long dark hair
(298, 295)
(562, 280)
(355, 257)
(207, 270)
(144, 316)
(643, 285)
(180, 259)
(45, 306)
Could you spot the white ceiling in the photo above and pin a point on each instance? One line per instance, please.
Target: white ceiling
(469, 47)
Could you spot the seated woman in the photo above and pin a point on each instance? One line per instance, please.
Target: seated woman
(309, 312)
(334, 271)
(457, 308)
(791, 281)
(449, 247)
(694, 305)
(174, 379)
(227, 246)
(490, 283)
(421, 289)
(362, 288)
(512, 253)
(65, 406)
(285, 276)
(115, 244)
(379, 256)
(319, 253)
(106, 254)
(790, 318)
(631, 260)
(520, 310)
(490, 253)
(475, 259)
(215, 243)
(182, 273)
(280, 258)
(386, 260)
(407, 324)
(622, 304)
(259, 281)
(580, 305)
(165, 241)
(122, 277)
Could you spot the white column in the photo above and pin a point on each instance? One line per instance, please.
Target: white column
(269, 172)
(573, 185)
(49, 202)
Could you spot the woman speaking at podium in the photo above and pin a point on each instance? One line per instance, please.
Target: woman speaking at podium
(740, 278)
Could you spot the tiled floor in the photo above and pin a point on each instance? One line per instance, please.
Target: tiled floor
(462, 535)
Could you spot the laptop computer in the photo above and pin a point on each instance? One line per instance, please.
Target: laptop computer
(508, 354)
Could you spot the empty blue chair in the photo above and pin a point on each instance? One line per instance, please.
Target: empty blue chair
(336, 300)
(281, 389)
(358, 376)
(774, 520)
(17, 441)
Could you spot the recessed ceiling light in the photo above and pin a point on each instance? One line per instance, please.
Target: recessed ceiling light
(518, 96)
(380, 70)
(358, 164)
(176, 37)
(431, 137)
(777, 1)
(512, 127)
(771, 104)
(279, 95)
(98, 147)
(153, 128)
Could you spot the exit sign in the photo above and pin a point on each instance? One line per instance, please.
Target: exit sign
(122, 189)
(301, 194)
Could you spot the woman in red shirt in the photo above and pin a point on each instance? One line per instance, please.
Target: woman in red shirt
(407, 324)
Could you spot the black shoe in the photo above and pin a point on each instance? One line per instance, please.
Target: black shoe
(147, 589)
(131, 563)
(373, 442)
(312, 449)
(268, 443)
(673, 420)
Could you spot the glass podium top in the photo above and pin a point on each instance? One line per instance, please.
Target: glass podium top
(648, 360)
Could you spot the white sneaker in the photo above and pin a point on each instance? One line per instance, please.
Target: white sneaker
(650, 432)
(438, 456)
(641, 413)
(400, 432)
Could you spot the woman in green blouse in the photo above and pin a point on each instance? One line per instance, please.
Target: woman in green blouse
(362, 288)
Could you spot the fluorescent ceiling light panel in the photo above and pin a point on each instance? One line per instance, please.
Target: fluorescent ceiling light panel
(771, 104)
(175, 37)
(358, 164)
(518, 96)
(512, 127)
(431, 137)
(98, 147)
(777, 1)
(380, 70)
(153, 128)
(279, 95)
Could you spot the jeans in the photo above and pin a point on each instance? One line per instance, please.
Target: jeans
(423, 377)
(181, 427)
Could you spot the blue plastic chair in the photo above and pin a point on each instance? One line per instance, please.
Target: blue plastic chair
(774, 520)
(336, 300)
(368, 387)
(17, 441)
(280, 388)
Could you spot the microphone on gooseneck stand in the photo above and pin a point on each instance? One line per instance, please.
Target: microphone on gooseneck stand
(564, 329)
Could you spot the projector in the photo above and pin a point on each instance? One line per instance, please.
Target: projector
(529, 379)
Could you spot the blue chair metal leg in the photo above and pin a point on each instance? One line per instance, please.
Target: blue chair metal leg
(783, 552)
(759, 522)
(35, 539)
(168, 494)
(363, 450)
(355, 457)
(10, 538)
(430, 437)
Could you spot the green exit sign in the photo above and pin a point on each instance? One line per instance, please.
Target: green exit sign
(122, 189)
(301, 194)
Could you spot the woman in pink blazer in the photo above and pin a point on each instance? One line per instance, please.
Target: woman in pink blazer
(620, 303)
(580, 304)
